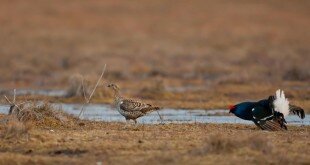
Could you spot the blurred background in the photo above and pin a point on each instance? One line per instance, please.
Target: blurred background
(239, 46)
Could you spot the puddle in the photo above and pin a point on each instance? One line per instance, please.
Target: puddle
(103, 112)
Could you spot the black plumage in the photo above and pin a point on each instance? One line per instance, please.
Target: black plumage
(267, 114)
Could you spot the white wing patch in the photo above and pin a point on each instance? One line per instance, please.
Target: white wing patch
(281, 104)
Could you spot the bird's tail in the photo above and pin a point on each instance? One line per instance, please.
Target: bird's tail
(150, 109)
(281, 104)
(297, 111)
(157, 108)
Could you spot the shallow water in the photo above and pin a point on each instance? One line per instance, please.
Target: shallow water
(103, 112)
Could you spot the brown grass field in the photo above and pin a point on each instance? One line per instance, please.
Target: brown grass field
(85, 142)
(169, 144)
(218, 51)
(198, 54)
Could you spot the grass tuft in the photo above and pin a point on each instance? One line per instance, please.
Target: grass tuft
(217, 143)
(78, 86)
(15, 129)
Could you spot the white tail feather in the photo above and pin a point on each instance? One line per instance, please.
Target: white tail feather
(281, 104)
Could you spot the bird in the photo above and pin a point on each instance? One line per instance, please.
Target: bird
(130, 109)
(268, 114)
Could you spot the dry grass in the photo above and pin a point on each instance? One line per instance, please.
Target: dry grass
(17, 125)
(208, 45)
(42, 115)
(142, 40)
(78, 86)
(156, 90)
(218, 144)
(45, 115)
(153, 144)
(13, 128)
(207, 53)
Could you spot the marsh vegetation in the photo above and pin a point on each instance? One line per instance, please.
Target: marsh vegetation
(200, 54)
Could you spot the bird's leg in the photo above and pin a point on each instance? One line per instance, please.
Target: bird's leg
(127, 123)
(136, 124)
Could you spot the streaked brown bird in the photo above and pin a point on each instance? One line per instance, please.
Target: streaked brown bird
(130, 109)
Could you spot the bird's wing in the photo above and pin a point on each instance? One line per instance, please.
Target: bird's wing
(267, 119)
(272, 125)
(132, 105)
(297, 111)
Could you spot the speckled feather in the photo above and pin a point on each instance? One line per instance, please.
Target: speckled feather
(131, 109)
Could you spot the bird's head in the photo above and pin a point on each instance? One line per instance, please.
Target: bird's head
(113, 86)
(232, 108)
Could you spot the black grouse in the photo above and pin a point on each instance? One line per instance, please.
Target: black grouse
(268, 114)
